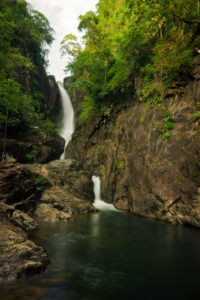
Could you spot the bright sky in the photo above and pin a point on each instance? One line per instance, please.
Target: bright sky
(63, 17)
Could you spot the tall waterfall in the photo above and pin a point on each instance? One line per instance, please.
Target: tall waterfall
(100, 204)
(67, 128)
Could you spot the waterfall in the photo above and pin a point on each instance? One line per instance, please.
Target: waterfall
(67, 128)
(100, 204)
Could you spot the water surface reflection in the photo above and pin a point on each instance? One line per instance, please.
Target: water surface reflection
(111, 255)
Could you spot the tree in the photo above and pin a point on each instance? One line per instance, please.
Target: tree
(15, 109)
(70, 46)
(129, 40)
(24, 35)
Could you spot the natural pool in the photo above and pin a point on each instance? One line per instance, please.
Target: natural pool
(114, 255)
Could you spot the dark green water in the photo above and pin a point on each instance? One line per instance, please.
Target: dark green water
(114, 255)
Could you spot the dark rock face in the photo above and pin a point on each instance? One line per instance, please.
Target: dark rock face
(76, 98)
(53, 100)
(34, 148)
(18, 186)
(140, 171)
(51, 97)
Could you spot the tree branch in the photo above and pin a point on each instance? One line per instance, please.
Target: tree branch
(184, 20)
(175, 15)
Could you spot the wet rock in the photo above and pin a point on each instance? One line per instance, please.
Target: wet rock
(18, 255)
(23, 220)
(48, 213)
(71, 191)
(53, 100)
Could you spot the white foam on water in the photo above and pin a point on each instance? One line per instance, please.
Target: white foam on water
(67, 128)
(100, 204)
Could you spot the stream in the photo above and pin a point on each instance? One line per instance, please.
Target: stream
(114, 255)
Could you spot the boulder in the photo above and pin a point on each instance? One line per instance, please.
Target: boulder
(48, 213)
(70, 191)
(18, 255)
(23, 220)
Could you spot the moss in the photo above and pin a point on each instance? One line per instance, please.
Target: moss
(168, 125)
(41, 182)
(121, 164)
(166, 135)
(196, 115)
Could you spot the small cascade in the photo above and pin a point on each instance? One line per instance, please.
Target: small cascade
(100, 204)
(67, 128)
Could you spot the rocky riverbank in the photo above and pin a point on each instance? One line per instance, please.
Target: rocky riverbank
(30, 194)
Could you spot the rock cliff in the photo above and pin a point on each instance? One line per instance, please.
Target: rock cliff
(144, 168)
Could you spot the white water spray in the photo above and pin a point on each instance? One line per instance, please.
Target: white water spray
(67, 128)
(100, 204)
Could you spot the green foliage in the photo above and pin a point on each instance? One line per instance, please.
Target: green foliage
(18, 176)
(48, 127)
(41, 182)
(166, 135)
(196, 115)
(168, 122)
(31, 156)
(134, 40)
(87, 107)
(16, 109)
(121, 164)
(70, 46)
(168, 125)
(23, 36)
